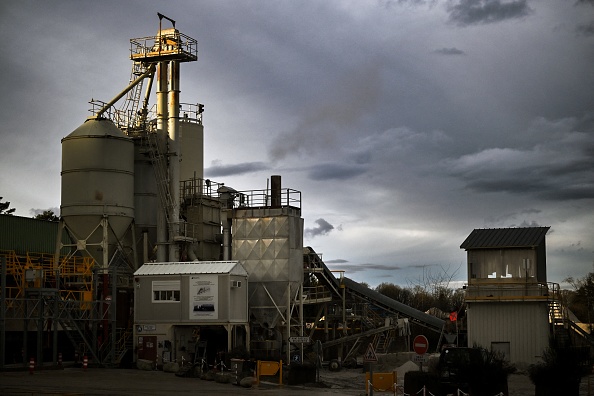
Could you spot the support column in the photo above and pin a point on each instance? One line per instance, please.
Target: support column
(174, 157)
(162, 226)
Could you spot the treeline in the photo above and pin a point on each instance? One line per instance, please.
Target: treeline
(422, 298)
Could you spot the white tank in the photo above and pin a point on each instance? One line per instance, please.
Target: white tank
(97, 180)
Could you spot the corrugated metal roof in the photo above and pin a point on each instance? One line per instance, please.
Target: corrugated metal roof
(505, 238)
(194, 267)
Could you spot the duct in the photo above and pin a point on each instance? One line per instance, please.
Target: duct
(162, 226)
(149, 71)
(174, 152)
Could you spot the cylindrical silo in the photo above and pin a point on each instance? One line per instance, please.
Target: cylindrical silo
(97, 185)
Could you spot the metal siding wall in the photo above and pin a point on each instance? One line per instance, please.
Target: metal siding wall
(24, 235)
(523, 324)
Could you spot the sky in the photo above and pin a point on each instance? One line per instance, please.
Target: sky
(405, 124)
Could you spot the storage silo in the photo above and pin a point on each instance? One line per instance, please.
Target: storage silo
(97, 186)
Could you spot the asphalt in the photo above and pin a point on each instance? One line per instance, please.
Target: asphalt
(96, 381)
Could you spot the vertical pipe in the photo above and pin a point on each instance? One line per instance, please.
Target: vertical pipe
(174, 156)
(301, 316)
(55, 318)
(275, 191)
(288, 319)
(162, 226)
(112, 311)
(40, 317)
(3, 311)
(144, 246)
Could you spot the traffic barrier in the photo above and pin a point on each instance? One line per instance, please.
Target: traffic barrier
(31, 365)
(85, 362)
(60, 359)
(269, 369)
(381, 382)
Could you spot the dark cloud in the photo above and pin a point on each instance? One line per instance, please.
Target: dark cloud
(559, 167)
(585, 29)
(218, 170)
(449, 51)
(323, 228)
(333, 171)
(336, 261)
(476, 12)
(352, 268)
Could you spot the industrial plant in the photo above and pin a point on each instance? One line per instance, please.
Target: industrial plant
(151, 261)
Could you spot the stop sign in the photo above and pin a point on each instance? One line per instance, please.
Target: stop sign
(420, 344)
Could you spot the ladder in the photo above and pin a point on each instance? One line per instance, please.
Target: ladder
(159, 161)
(131, 105)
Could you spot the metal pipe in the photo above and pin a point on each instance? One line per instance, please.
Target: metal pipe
(125, 91)
(162, 226)
(175, 157)
(2, 309)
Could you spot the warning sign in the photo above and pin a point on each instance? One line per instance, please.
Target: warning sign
(370, 355)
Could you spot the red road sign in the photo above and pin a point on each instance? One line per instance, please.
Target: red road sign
(420, 344)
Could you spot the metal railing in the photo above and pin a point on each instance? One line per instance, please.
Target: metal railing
(501, 291)
(168, 45)
(263, 198)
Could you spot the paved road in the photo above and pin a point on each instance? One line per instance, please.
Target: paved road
(75, 381)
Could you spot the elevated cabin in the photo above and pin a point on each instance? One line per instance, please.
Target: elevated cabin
(507, 295)
(190, 310)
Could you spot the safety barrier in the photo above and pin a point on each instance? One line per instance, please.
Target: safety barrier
(267, 368)
(381, 382)
(424, 392)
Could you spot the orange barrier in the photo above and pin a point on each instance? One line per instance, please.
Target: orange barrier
(269, 369)
(85, 362)
(381, 382)
(31, 365)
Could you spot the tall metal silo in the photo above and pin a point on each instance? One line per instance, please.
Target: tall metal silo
(268, 240)
(97, 187)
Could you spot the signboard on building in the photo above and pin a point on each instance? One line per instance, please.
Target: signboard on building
(204, 293)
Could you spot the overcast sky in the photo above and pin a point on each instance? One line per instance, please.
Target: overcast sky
(405, 124)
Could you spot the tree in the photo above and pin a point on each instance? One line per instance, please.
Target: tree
(581, 300)
(48, 215)
(4, 208)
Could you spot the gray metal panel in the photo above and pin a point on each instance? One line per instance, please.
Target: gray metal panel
(523, 324)
(505, 238)
(422, 317)
(202, 267)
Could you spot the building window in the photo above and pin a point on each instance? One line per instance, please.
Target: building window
(166, 291)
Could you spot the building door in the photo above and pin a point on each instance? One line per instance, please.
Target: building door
(147, 348)
(502, 348)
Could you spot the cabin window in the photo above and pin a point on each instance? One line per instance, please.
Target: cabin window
(166, 291)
